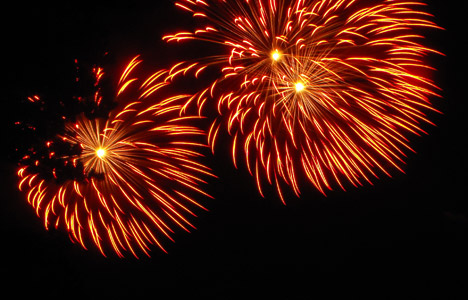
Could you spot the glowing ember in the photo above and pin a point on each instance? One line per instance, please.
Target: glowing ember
(100, 152)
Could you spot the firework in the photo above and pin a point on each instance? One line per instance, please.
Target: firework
(134, 174)
(328, 90)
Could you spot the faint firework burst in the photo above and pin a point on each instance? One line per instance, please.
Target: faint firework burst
(327, 90)
(127, 181)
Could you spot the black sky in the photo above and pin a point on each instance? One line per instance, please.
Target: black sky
(406, 235)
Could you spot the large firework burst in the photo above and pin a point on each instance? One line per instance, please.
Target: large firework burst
(327, 90)
(134, 174)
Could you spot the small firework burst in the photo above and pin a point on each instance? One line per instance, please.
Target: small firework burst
(123, 182)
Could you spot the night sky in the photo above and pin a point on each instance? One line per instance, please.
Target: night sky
(404, 236)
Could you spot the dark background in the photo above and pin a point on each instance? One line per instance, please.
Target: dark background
(404, 237)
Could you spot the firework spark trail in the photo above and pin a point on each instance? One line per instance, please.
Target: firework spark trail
(329, 90)
(140, 172)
